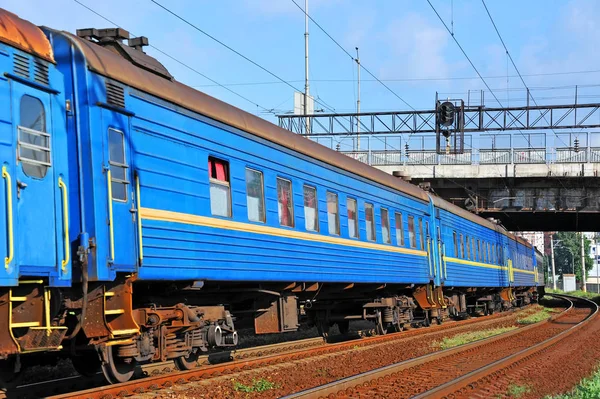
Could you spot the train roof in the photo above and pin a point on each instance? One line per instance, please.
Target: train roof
(24, 35)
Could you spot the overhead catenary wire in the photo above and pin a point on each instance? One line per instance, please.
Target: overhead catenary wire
(475, 69)
(424, 79)
(197, 28)
(177, 60)
(351, 56)
(515, 65)
(361, 65)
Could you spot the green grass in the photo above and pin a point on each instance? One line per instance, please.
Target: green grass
(536, 317)
(589, 295)
(516, 391)
(258, 385)
(461, 339)
(588, 388)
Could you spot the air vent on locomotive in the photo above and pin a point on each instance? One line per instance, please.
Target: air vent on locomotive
(112, 39)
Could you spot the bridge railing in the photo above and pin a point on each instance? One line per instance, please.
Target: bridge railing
(494, 150)
(529, 155)
(569, 155)
(494, 156)
(595, 154)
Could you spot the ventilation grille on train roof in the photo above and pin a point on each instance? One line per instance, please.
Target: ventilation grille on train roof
(115, 95)
(40, 72)
(21, 65)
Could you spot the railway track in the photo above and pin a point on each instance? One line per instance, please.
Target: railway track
(76, 383)
(160, 376)
(458, 372)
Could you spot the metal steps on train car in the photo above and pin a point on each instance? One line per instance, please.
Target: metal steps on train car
(26, 309)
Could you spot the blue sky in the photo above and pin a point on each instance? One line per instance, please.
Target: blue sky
(398, 41)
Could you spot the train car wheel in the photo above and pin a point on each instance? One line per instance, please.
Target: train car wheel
(187, 362)
(381, 329)
(116, 369)
(87, 364)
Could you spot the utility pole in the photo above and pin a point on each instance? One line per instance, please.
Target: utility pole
(596, 263)
(552, 256)
(583, 264)
(358, 103)
(306, 85)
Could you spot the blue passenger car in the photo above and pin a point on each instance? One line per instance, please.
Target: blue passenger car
(142, 214)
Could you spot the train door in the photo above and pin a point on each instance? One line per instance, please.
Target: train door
(35, 182)
(441, 253)
(122, 211)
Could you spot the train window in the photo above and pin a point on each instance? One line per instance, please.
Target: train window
(455, 244)
(220, 189)
(412, 238)
(333, 214)
(489, 253)
(499, 249)
(118, 165)
(385, 226)
(462, 247)
(285, 208)
(370, 221)
(473, 248)
(352, 218)
(311, 210)
(33, 141)
(255, 195)
(480, 250)
(399, 229)
(485, 258)
(422, 237)
(476, 244)
(468, 248)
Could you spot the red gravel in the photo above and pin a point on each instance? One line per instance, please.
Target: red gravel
(299, 375)
(415, 380)
(556, 370)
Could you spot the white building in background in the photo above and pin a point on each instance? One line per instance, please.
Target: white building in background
(536, 238)
(593, 277)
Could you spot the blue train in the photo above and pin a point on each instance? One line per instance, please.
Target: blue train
(142, 218)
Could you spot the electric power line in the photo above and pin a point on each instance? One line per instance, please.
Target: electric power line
(227, 47)
(392, 80)
(175, 59)
(475, 68)
(351, 56)
(515, 65)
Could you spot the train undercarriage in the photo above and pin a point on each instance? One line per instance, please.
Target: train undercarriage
(115, 326)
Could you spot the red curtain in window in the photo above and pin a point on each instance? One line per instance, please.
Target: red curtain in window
(220, 169)
(217, 169)
(211, 169)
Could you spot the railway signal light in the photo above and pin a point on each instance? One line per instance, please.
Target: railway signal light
(446, 111)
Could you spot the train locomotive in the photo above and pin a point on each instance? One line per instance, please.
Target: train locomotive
(146, 221)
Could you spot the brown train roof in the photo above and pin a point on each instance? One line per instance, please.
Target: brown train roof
(111, 65)
(24, 35)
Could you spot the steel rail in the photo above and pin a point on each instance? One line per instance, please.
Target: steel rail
(335, 387)
(156, 382)
(472, 378)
